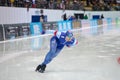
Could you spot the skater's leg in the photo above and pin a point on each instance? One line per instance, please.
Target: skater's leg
(51, 55)
(53, 47)
(48, 58)
(56, 53)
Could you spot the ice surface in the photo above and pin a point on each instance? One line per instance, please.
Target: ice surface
(94, 58)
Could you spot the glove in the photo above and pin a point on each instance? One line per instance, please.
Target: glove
(68, 45)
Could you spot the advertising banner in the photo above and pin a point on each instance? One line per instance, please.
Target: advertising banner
(50, 27)
(64, 25)
(11, 31)
(117, 22)
(107, 24)
(1, 33)
(94, 26)
(24, 29)
(76, 24)
(36, 28)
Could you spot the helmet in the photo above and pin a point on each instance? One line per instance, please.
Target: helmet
(69, 34)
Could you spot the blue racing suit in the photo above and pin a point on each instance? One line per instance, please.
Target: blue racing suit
(57, 43)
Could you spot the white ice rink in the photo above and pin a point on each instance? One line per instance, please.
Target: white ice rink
(94, 58)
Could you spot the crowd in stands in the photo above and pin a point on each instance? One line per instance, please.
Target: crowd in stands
(95, 5)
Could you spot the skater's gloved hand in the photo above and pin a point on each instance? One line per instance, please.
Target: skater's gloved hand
(68, 45)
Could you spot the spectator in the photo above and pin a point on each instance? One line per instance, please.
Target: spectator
(41, 15)
(106, 7)
(2, 2)
(81, 5)
(75, 5)
(16, 3)
(47, 3)
(102, 16)
(117, 7)
(85, 17)
(11, 2)
(88, 2)
(8, 3)
(33, 3)
(95, 7)
(20, 3)
(107, 1)
(62, 4)
(51, 5)
(64, 16)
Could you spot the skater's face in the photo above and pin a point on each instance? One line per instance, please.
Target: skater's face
(68, 38)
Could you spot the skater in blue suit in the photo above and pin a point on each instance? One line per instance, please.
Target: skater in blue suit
(57, 42)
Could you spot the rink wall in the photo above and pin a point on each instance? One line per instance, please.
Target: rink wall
(85, 27)
(13, 15)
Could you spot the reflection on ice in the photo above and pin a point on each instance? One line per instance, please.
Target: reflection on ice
(24, 45)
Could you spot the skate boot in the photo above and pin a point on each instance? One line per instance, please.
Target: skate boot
(42, 69)
(38, 68)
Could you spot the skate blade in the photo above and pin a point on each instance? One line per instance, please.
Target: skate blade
(41, 71)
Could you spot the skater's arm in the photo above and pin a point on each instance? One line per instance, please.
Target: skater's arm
(72, 42)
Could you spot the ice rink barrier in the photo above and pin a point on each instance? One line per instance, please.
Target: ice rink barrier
(96, 26)
(1, 33)
(13, 31)
(117, 21)
(36, 28)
